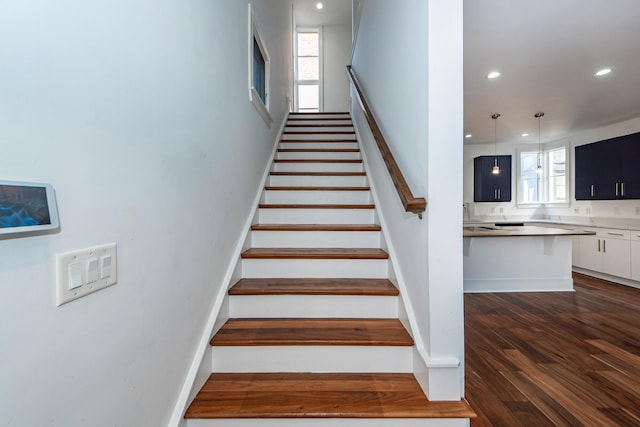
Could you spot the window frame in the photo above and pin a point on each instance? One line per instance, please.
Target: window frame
(546, 149)
(255, 40)
(296, 82)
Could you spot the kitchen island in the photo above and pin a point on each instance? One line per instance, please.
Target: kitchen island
(517, 258)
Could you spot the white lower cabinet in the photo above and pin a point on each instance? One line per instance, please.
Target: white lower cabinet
(616, 254)
(590, 253)
(635, 255)
(609, 251)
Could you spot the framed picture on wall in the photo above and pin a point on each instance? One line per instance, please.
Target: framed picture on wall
(27, 207)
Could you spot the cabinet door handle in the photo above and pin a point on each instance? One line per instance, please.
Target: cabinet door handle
(495, 193)
(622, 189)
(616, 234)
(617, 186)
(604, 246)
(593, 190)
(598, 245)
(499, 193)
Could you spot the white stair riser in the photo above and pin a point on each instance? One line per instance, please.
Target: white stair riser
(320, 268)
(315, 239)
(317, 306)
(329, 422)
(317, 197)
(317, 167)
(312, 358)
(316, 216)
(319, 136)
(317, 181)
(323, 129)
(319, 155)
(311, 145)
(320, 122)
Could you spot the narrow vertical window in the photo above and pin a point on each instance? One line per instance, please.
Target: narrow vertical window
(308, 96)
(259, 71)
(557, 176)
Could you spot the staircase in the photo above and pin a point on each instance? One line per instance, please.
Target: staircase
(314, 329)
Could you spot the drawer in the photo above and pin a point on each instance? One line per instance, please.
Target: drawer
(612, 233)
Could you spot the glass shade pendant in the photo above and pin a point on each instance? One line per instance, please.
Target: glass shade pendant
(496, 169)
(539, 168)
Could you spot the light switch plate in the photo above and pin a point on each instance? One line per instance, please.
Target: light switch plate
(92, 278)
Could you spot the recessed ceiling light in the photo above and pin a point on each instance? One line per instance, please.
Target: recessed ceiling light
(468, 135)
(603, 72)
(493, 74)
(319, 6)
(525, 134)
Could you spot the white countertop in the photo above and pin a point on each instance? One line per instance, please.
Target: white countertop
(487, 230)
(620, 224)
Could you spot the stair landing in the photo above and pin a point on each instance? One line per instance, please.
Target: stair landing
(326, 395)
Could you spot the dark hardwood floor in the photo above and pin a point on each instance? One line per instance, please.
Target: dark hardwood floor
(554, 359)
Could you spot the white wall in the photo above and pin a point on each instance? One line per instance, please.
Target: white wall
(408, 58)
(624, 210)
(336, 49)
(137, 112)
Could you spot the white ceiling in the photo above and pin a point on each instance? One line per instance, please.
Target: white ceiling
(548, 52)
(334, 12)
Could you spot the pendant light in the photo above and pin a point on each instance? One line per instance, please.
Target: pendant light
(539, 168)
(496, 169)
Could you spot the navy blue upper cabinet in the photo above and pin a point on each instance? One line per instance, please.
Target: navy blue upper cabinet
(488, 187)
(608, 170)
(630, 167)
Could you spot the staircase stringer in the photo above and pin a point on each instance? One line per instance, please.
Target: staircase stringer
(200, 367)
(432, 373)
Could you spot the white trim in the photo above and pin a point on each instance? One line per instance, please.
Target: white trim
(424, 365)
(261, 106)
(189, 384)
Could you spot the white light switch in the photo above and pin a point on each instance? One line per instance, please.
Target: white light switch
(75, 275)
(106, 266)
(82, 272)
(92, 270)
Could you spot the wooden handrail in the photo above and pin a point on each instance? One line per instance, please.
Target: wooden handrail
(412, 204)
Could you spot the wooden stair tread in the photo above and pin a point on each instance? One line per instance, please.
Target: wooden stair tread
(320, 113)
(303, 332)
(319, 132)
(318, 150)
(317, 161)
(313, 188)
(316, 227)
(318, 173)
(317, 140)
(314, 253)
(277, 286)
(320, 125)
(330, 395)
(317, 118)
(314, 206)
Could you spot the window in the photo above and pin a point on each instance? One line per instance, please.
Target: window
(259, 77)
(259, 71)
(307, 69)
(549, 186)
